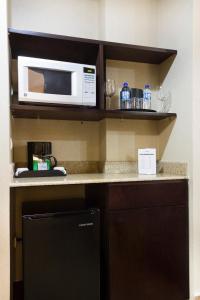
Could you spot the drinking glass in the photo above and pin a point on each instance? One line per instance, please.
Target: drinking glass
(164, 97)
(110, 91)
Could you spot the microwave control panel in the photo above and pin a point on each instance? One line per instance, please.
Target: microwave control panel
(89, 86)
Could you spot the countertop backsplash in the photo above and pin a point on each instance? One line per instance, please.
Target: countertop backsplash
(117, 167)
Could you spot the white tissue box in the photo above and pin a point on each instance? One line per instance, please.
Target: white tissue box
(147, 161)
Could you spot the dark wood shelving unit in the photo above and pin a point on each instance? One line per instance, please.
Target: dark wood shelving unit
(86, 51)
(81, 114)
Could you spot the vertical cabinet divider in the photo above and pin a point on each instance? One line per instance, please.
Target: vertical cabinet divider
(100, 67)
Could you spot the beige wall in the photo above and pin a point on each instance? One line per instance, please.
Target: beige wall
(131, 21)
(175, 31)
(4, 158)
(108, 140)
(136, 74)
(74, 18)
(124, 137)
(71, 140)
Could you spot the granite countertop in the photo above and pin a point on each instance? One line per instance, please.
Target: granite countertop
(90, 178)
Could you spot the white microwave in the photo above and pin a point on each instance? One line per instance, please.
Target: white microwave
(49, 81)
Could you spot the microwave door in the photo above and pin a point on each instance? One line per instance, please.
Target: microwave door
(47, 81)
(54, 86)
(57, 82)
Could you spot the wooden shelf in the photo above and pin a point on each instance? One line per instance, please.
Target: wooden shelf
(126, 52)
(137, 115)
(50, 46)
(81, 114)
(80, 50)
(55, 112)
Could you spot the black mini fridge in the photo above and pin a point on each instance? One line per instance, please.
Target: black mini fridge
(61, 256)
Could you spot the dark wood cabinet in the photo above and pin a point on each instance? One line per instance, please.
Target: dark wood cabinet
(85, 51)
(145, 253)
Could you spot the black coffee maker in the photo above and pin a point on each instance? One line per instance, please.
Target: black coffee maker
(41, 150)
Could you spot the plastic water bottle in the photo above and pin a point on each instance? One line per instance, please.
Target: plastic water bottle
(147, 97)
(125, 96)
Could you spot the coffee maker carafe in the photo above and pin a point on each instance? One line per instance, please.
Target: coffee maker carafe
(40, 156)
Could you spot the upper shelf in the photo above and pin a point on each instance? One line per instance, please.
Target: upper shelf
(50, 46)
(35, 44)
(150, 55)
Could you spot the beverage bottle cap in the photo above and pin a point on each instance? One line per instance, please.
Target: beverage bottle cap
(147, 86)
(125, 84)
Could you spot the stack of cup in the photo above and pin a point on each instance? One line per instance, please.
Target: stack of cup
(136, 98)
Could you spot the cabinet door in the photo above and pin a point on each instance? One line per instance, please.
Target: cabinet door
(148, 254)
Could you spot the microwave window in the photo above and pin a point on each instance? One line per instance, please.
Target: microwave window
(49, 81)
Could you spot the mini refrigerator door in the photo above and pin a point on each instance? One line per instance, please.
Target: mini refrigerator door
(61, 256)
